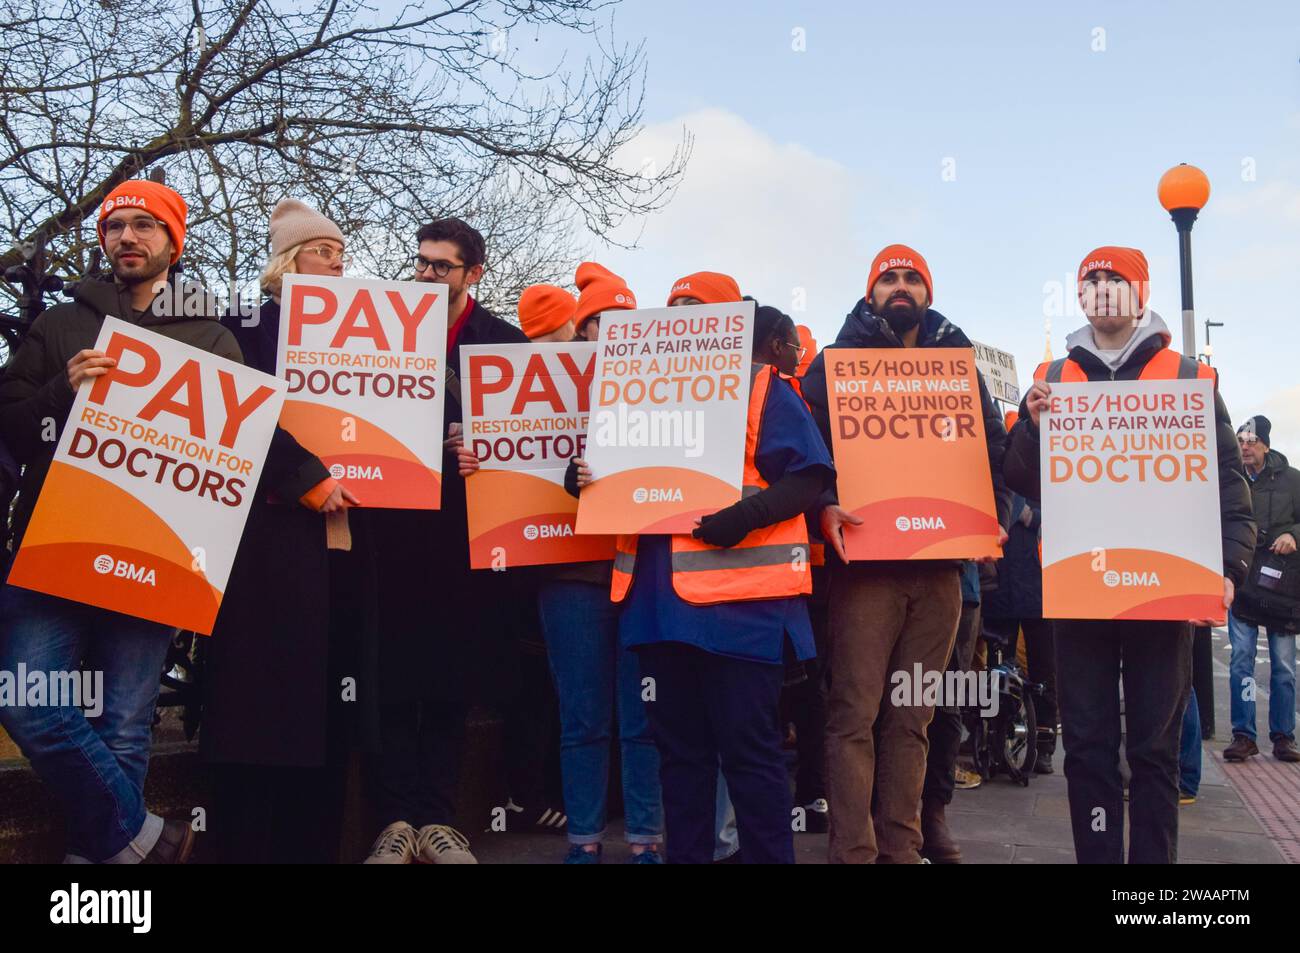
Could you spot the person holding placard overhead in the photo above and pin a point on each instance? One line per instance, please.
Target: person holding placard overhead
(714, 615)
(1125, 341)
(888, 616)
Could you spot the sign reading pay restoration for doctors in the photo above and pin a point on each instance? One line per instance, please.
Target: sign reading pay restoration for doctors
(146, 497)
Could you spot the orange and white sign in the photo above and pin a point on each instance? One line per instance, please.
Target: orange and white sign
(526, 411)
(666, 442)
(364, 363)
(150, 485)
(1130, 483)
(910, 453)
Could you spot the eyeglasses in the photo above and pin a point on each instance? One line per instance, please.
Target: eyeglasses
(329, 253)
(142, 227)
(1248, 441)
(441, 269)
(800, 351)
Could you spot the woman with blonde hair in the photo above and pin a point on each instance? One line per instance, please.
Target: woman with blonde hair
(275, 728)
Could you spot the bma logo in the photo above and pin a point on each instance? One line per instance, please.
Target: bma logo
(353, 472)
(1101, 264)
(1130, 580)
(105, 564)
(906, 523)
(655, 494)
(895, 263)
(122, 201)
(547, 531)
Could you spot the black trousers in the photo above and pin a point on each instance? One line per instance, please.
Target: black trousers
(418, 769)
(708, 708)
(1154, 660)
(271, 814)
(945, 728)
(805, 704)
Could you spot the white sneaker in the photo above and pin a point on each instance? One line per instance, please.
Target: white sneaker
(441, 844)
(395, 845)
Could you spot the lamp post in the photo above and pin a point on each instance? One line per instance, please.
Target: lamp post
(1183, 191)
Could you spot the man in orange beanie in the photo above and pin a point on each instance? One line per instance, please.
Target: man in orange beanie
(546, 313)
(704, 287)
(599, 290)
(1125, 341)
(889, 617)
(96, 767)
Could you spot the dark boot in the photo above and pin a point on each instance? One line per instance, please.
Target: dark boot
(1284, 749)
(1242, 747)
(939, 846)
(1043, 763)
(174, 844)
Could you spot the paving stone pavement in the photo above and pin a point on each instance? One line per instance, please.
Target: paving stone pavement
(1244, 814)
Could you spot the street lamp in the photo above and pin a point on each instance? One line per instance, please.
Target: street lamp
(1183, 191)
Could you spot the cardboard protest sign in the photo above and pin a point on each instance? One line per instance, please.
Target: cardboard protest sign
(364, 363)
(910, 453)
(1130, 484)
(151, 482)
(666, 443)
(526, 409)
(999, 370)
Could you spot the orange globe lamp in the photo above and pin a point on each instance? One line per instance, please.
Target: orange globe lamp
(1183, 191)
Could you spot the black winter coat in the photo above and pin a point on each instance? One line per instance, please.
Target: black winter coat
(445, 631)
(271, 678)
(1019, 590)
(862, 328)
(1276, 496)
(1238, 522)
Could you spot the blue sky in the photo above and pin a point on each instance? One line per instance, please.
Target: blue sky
(807, 162)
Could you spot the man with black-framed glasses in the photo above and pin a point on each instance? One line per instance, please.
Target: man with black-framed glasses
(441, 626)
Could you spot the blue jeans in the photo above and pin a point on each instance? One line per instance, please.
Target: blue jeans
(95, 767)
(1244, 639)
(1189, 749)
(594, 673)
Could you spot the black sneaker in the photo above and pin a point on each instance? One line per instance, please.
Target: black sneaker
(1043, 763)
(174, 846)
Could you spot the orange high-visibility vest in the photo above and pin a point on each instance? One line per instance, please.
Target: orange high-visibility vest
(770, 563)
(1166, 365)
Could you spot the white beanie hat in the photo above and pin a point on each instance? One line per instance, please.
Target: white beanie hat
(293, 222)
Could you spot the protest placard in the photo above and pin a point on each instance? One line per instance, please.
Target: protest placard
(999, 370)
(1130, 484)
(151, 482)
(364, 363)
(666, 443)
(910, 453)
(526, 414)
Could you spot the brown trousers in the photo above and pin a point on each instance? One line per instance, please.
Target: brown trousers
(884, 618)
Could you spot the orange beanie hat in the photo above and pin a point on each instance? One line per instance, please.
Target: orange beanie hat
(1129, 263)
(543, 308)
(709, 287)
(599, 289)
(1010, 419)
(809, 343)
(899, 256)
(162, 203)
